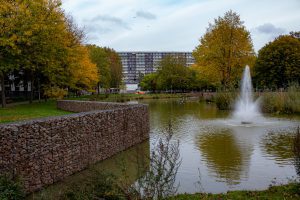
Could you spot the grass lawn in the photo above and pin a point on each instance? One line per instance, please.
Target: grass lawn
(290, 191)
(30, 111)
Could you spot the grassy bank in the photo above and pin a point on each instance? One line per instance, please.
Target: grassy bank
(290, 191)
(105, 187)
(129, 97)
(30, 111)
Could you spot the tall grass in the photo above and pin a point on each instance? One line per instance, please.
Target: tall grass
(10, 188)
(282, 102)
(286, 102)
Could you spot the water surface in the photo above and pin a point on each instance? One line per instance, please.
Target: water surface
(218, 155)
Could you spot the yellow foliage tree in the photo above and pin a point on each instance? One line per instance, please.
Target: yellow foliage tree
(84, 73)
(224, 50)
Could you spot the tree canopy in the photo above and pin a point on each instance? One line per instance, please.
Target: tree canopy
(278, 62)
(109, 65)
(224, 50)
(172, 75)
(37, 38)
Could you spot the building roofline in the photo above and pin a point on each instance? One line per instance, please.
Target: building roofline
(154, 52)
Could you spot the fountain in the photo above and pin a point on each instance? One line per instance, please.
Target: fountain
(246, 109)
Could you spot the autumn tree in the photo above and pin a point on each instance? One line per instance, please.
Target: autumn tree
(278, 62)
(38, 39)
(224, 50)
(12, 16)
(84, 73)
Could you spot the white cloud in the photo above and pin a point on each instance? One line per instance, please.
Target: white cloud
(145, 15)
(176, 25)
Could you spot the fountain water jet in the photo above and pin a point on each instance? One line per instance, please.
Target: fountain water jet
(246, 109)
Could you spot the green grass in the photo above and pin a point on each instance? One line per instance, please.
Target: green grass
(290, 191)
(128, 97)
(30, 111)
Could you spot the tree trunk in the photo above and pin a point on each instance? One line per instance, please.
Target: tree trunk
(3, 91)
(39, 90)
(98, 87)
(31, 89)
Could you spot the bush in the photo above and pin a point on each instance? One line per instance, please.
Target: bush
(224, 100)
(55, 92)
(100, 186)
(10, 189)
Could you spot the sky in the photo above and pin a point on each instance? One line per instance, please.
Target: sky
(176, 25)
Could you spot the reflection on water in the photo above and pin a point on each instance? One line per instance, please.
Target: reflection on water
(135, 161)
(279, 146)
(216, 153)
(224, 156)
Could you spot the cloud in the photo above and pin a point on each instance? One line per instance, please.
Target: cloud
(92, 28)
(110, 19)
(145, 15)
(176, 25)
(269, 28)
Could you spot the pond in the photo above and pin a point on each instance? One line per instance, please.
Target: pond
(217, 156)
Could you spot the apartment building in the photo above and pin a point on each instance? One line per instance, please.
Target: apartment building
(136, 64)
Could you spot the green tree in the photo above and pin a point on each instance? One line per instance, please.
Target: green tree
(173, 74)
(109, 66)
(116, 68)
(99, 57)
(149, 82)
(224, 50)
(278, 63)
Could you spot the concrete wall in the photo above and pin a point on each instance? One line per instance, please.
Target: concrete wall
(44, 151)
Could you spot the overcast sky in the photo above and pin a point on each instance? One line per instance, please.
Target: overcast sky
(177, 25)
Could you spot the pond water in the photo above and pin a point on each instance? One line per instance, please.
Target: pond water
(218, 156)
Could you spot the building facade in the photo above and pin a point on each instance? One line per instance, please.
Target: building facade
(137, 64)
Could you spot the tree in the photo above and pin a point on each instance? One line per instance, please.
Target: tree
(99, 57)
(172, 74)
(149, 82)
(109, 65)
(224, 50)
(116, 68)
(12, 15)
(38, 39)
(278, 63)
(84, 74)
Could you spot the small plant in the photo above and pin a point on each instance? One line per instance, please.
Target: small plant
(100, 186)
(159, 180)
(224, 100)
(10, 189)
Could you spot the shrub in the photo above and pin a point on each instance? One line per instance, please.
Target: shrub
(10, 189)
(224, 100)
(100, 186)
(55, 92)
